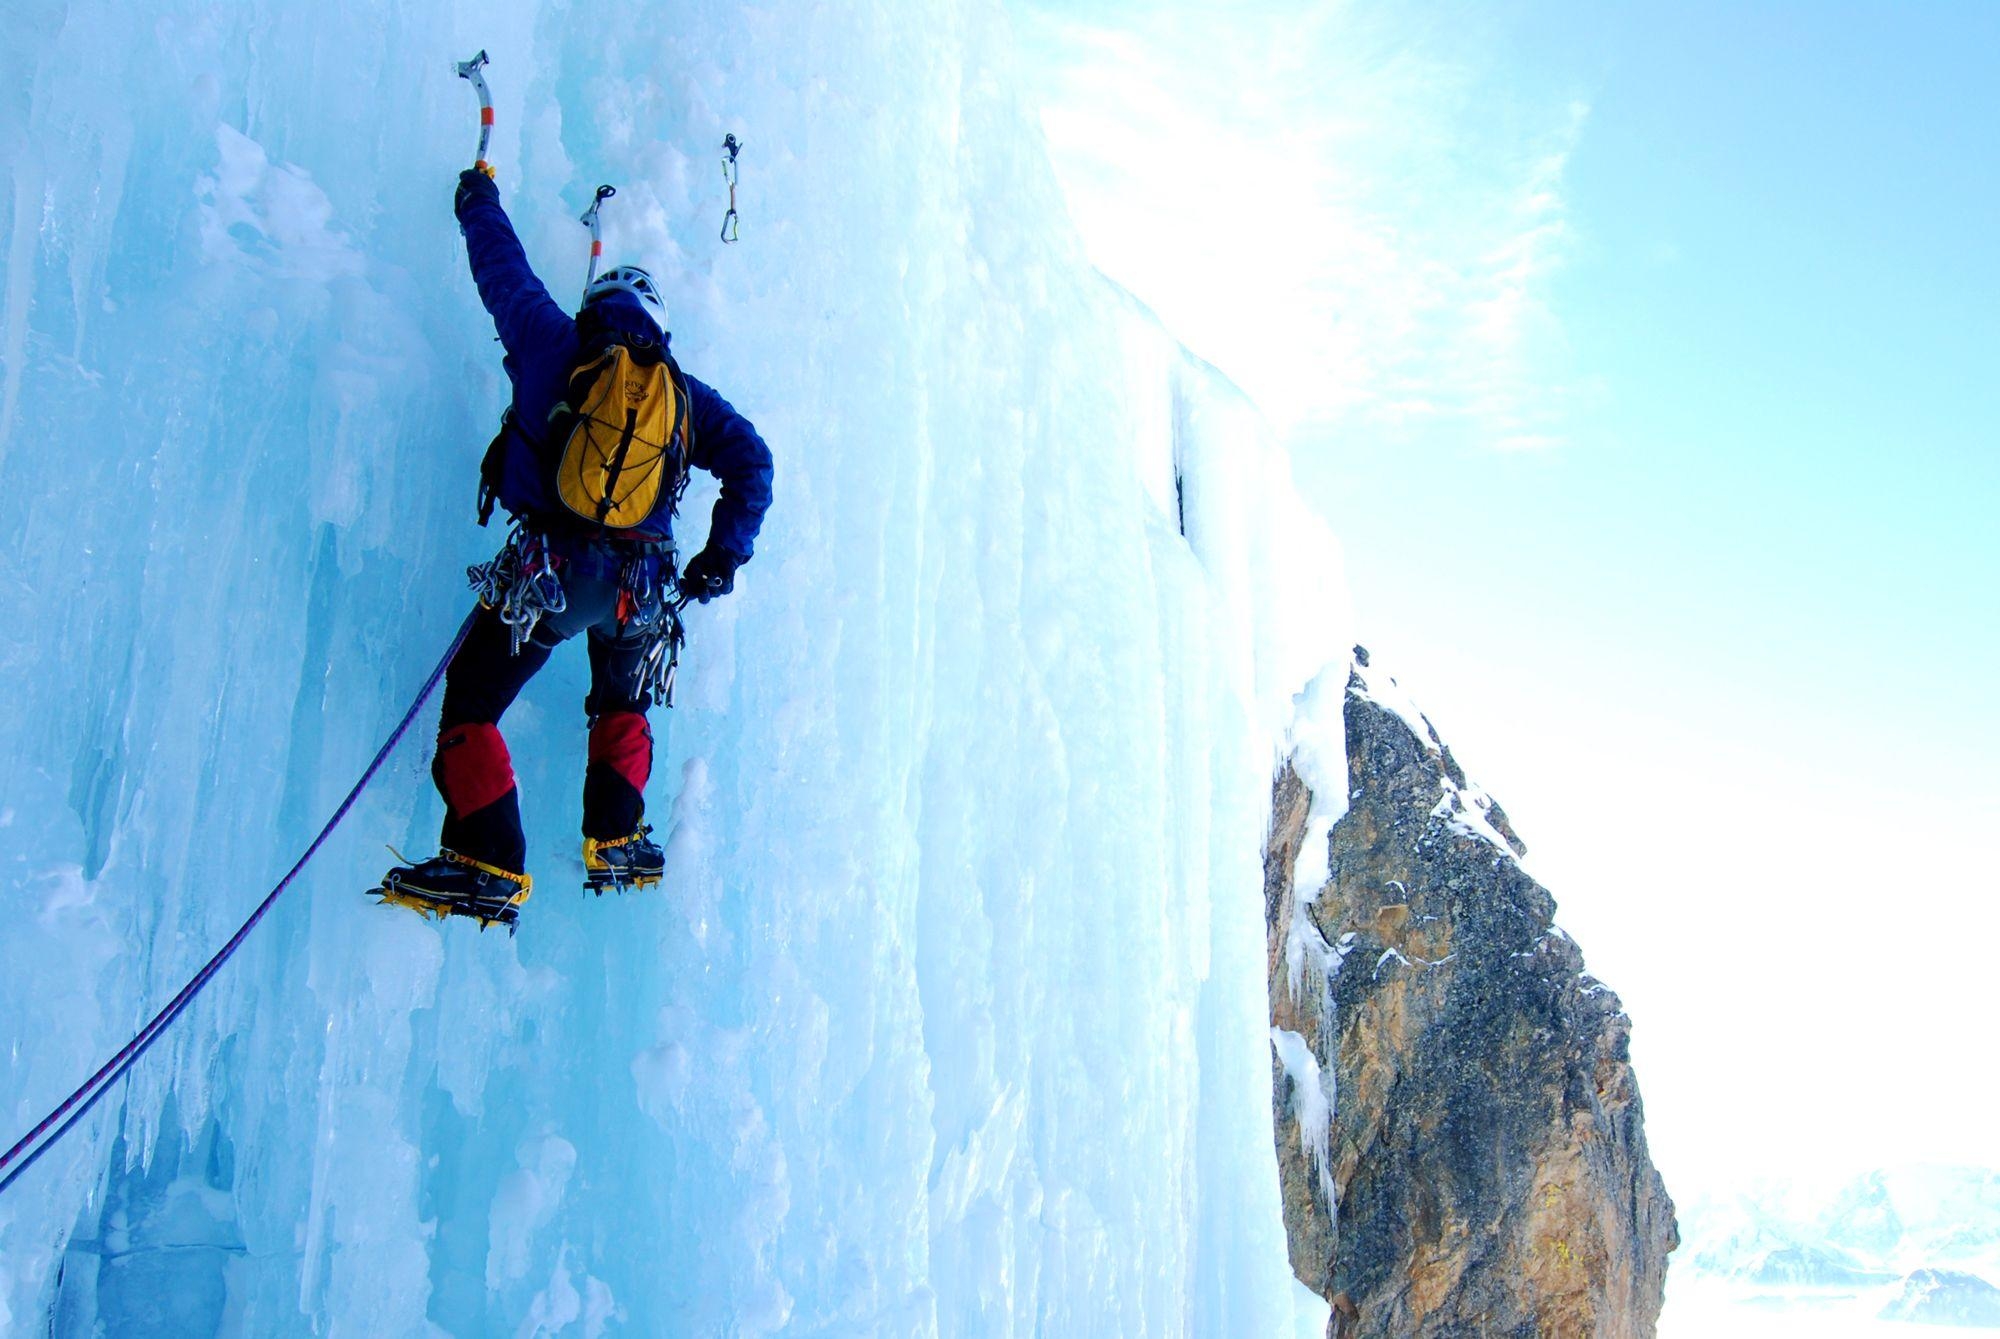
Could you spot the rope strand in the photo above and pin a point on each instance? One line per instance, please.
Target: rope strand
(93, 1088)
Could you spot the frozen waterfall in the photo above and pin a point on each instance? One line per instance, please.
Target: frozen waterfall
(950, 1018)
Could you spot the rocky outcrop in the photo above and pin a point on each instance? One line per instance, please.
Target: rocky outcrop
(1459, 1131)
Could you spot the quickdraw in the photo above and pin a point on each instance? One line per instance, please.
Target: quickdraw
(589, 220)
(730, 146)
(520, 584)
(661, 662)
(650, 605)
(469, 69)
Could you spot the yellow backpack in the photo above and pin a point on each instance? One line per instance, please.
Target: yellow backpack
(627, 442)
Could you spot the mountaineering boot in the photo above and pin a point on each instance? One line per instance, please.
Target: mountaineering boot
(623, 862)
(450, 884)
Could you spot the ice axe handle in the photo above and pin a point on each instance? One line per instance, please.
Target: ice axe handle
(589, 219)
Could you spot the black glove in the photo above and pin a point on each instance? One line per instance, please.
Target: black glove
(710, 573)
(473, 184)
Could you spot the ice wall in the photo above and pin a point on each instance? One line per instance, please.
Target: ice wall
(951, 1017)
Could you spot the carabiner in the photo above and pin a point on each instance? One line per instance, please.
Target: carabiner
(730, 146)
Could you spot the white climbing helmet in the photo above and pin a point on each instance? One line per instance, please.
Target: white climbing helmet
(629, 279)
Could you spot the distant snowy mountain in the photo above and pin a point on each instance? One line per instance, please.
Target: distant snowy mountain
(1886, 1223)
(1811, 1267)
(1946, 1297)
(1911, 1244)
(1918, 1215)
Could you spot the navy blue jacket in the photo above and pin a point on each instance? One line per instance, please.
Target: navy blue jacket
(542, 347)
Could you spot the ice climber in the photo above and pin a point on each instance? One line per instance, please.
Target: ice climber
(591, 459)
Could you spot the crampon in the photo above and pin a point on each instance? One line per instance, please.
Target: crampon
(454, 885)
(621, 863)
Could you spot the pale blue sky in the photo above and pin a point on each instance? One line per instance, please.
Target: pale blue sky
(1647, 359)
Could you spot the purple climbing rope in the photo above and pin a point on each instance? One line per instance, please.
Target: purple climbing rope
(86, 1095)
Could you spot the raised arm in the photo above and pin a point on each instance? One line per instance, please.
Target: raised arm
(727, 446)
(523, 312)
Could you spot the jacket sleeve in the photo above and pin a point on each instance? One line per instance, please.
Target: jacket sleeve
(727, 446)
(523, 312)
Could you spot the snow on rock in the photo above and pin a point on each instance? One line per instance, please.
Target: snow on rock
(1369, 682)
(1316, 745)
(1310, 1104)
(947, 1018)
(1468, 811)
(1461, 807)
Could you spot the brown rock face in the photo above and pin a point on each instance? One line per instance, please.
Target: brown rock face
(1484, 1169)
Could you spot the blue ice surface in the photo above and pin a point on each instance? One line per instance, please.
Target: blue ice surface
(951, 1016)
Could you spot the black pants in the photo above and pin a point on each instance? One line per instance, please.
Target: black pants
(472, 769)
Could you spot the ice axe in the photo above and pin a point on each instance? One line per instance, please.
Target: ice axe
(469, 69)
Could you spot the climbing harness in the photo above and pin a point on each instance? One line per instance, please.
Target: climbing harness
(520, 584)
(643, 580)
(77, 1105)
(589, 220)
(469, 69)
(730, 146)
